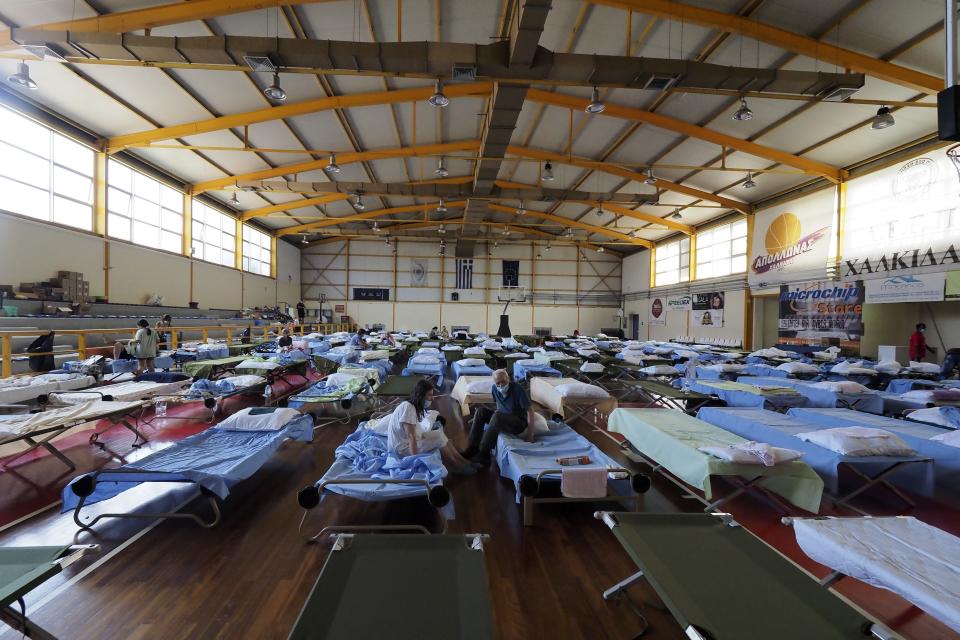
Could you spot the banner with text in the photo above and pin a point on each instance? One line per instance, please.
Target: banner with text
(822, 314)
(906, 288)
(905, 217)
(679, 303)
(658, 312)
(792, 238)
(707, 309)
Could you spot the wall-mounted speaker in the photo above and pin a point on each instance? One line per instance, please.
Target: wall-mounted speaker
(455, 296)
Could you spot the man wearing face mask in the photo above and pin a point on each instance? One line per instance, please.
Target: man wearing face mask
(512, 416)
(918, 343)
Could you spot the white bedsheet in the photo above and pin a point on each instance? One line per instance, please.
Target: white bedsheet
(25, 423)
(126, 391)
(901, 554)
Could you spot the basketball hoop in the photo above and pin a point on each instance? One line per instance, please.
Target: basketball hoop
(954, 154)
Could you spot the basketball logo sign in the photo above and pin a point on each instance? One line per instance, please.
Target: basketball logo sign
(784, 242)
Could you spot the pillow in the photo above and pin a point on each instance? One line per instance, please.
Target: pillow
(859, 441)
(798, 367)
(540, 425)
(259, 419)
(517, 356)
(587, 353)
(245, 381)
(339, 379)
(451, 347)
(427, 351)
(891, 367)
(845, 386)
(580, 390)
(474, 351)
(726, 367)
(924, 367)
(426, 359)
(472, 362)
(367, 356)
(856, 368)
(943, 416)
(757, 453)
(480, 386)
(660, 370)
(591, 367)
(950, 438)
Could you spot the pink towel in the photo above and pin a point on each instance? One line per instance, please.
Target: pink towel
(584, 482)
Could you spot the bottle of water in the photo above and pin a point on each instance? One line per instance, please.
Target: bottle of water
(160, 408)
(691, 370)
(267, 394)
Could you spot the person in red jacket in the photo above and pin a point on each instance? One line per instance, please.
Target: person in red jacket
(918, 343)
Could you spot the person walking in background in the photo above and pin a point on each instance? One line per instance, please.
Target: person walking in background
(162, 335)
(301, 311)
(918, 343)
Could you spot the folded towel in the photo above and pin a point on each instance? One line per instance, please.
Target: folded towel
(584, 482)
(758, 453)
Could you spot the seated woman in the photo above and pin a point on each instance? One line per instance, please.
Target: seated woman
(406, 438)
(444, 334)
(285, 343)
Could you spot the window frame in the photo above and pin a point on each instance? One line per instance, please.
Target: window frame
(194, 240)
(704, 270)
(662, 257)
(247, 244)
(133, 192)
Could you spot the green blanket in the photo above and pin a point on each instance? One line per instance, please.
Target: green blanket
(749, 388)
(672, 438)
(204, 368)
(352, 386)
(23, 568)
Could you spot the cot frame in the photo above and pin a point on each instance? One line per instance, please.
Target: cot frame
(639, 484)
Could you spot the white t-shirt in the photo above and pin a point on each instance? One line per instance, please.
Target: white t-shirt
(398, 438)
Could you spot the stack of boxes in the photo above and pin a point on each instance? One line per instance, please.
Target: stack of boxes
(68, 286)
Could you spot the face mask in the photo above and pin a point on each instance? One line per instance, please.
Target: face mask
(427, 403)
(503, 388)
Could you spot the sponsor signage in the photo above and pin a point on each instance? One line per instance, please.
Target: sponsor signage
(679, 303)
(658, 312)
(791, 238)
(906, 288)
(900, 261)
(707, 309)
(369, 293)
(822, 314)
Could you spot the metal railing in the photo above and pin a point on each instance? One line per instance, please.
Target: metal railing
(230, 334)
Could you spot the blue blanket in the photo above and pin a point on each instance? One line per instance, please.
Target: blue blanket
(869, 402)
(215, 459)
(481, 370)
(521, 369)
(780, 430)
(213, 387)
(426, 370)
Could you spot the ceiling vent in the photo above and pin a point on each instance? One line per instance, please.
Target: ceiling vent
(260, 63)
(463, 73)
(44, 52)
(837, 94)
(659, 82)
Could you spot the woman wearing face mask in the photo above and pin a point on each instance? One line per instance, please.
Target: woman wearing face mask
(405, 436)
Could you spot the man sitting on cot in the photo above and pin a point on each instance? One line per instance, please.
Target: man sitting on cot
(405, 437)
(512, 416)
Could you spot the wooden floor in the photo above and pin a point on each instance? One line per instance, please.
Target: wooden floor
(249, 577)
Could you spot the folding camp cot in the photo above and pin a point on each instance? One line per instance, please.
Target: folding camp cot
(363, 470)
(466, 394)
(212, 368)
(39, 429)
(533, 468)
(395, 389)
(720, 582)
(22, 569)
(901, 554)
(27, 388)
(214, 460)
(914, 472)
(669, 441)
(920, 436)
(869, 401)
(356, 594)
(654, 393)
(530, 368)
(457, 370)
(334, 403)
(433, 369)
(552, 394)
(738, 394)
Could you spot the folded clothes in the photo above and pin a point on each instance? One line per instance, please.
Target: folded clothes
(750, 452)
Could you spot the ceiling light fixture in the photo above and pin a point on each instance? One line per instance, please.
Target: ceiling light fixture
(439, 99)
(883, 119)
(275, 92)
(676, 215)
(234, 201)
(506, 231)
(303, 240)
(441, 230)
(549, 246)
(743, 113)
(539, 257)
(600, 249)
(441, 170)
(749, 183)
(520, 210)
(595, 106)
(650, 181)
(376, 227)
(358, 202)
(332, 166)
(568, 233)
(547, 173)
(22, 77)
(441, 208)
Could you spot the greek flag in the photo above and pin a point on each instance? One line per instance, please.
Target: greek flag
(464, 273)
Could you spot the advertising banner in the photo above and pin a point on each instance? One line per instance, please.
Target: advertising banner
(418, 273)
(658, 312)
(792, 238)
(822, 314)
(904, 217)
(953, 285)
(707, 309)
(906, 288)
(679, 303)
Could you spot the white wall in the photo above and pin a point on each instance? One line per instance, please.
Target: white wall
(33, 251)
(333, 270)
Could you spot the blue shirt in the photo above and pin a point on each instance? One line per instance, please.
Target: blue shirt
(356, 341)
(515, 401)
